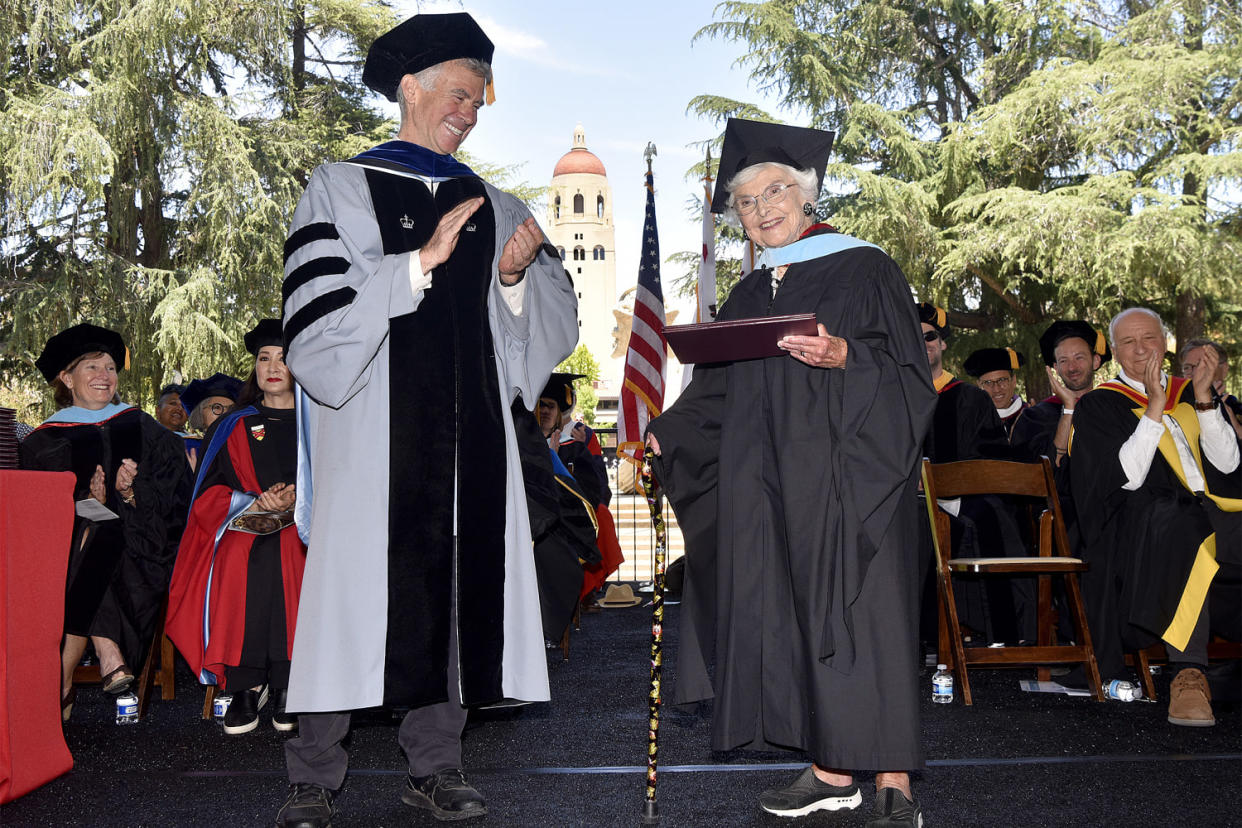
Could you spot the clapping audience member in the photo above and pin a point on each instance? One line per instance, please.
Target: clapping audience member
(1156, 483)
(1192, 353)
(168, 409)
(134, 468)
(234, 596)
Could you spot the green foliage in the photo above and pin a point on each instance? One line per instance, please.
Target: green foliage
(1022, 161)
(581, 362)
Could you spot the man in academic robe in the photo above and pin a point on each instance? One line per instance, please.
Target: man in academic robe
(420, 302)
(966, 426)
(1072, 351)
(1155, 471)
(995, 369)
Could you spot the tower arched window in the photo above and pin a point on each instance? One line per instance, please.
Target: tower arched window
(598, 253)
(556, 213)
(579, 254)
(579, 204)
(599, 206)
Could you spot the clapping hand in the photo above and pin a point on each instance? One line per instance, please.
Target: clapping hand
(97, 485)
(519, 251)
(278, 498)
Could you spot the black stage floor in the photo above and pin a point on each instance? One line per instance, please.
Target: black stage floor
(1012, 759)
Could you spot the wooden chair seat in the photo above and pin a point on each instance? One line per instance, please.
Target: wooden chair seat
(1031, 480)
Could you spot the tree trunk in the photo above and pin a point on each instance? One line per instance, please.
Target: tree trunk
(1191, 309)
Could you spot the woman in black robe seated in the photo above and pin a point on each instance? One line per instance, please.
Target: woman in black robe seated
(118, 565)
(794, 479)
(234, 596)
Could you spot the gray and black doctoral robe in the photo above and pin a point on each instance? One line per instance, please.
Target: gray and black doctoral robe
(417, 483)
(795, 488)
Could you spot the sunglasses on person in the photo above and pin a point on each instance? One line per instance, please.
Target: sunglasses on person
(930, 336)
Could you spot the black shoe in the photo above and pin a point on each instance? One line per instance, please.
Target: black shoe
(807, 794)
(892, 809)
(280, 719)
(446, 794)
(308, 806)
(243, 713)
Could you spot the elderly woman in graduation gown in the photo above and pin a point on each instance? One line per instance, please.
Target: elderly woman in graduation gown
(794, 479)
(234, 596)
(118, 566)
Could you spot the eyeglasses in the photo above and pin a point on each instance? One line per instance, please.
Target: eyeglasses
(218, 408)
(774, 194)
(997, 383)
(930, 336)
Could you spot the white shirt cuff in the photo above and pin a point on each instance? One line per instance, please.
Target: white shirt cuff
(514, 296)
(419, 281)
(1218, 441)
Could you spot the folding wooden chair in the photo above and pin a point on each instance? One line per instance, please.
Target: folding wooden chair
(158, 668)
(1141, 660)
(1002, 477)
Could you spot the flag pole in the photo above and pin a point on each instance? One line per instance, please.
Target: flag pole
(651, 489)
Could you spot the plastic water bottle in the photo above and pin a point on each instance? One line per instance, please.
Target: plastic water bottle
(220, 705)
(1122, 690)
(126, 708)
(942, 685)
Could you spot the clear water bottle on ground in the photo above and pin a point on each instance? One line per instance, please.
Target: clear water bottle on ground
(1122, 690)
(126, 708)
(220, 705)
(942, 685)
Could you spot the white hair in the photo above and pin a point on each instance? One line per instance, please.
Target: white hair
(1112, 325)
(807, 182)
(428, 77)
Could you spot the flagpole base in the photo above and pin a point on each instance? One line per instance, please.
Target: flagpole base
(651, 812)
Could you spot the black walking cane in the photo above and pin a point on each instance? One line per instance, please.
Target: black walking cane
(651, 811)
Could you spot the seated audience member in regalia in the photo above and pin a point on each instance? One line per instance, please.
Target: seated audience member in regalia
(996, 372)
(579, 450)
(967, 426)
(1230, 406)
(119, 564)
(206, 400)
(1156, 483)
(234, 597)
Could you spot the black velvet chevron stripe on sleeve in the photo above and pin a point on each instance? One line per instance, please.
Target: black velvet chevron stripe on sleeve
(325, 266)
(311, 232)
(316, 309)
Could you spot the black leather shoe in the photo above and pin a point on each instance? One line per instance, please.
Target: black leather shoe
(892, 809)
(280, 719)
(243, 713)
(308, 806)
(446, 794)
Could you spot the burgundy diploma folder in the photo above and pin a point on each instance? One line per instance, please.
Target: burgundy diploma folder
(737, 339)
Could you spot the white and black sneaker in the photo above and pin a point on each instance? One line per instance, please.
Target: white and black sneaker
(243, 713)
(808, 794)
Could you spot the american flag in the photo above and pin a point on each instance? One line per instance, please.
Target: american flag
(642, 391)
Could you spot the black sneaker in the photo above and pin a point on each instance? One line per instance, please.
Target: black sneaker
(892, 809)
(280, 719)
(446, 794)
(243, 713)
(807, 794)
(308, 806)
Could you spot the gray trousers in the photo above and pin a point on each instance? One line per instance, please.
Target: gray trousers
(430, 735)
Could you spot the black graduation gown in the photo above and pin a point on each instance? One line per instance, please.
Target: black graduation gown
(794, 487)
(116, 581)
(1142, 545)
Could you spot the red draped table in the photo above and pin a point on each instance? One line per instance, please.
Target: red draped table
(36, 524)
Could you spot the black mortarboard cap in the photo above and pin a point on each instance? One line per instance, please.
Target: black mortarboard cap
(560, 387)
(71, 343)
(217, 385)
(986, 360)
(267, 332)
(419, 43)
(747, 143)
(1064, 329)
(938, 318)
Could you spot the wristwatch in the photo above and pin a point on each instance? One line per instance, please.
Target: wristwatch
(1207, 406)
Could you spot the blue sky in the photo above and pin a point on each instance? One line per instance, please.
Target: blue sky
(626, 72)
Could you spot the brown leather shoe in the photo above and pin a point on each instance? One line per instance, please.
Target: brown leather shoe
(1190, 700)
